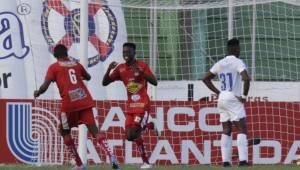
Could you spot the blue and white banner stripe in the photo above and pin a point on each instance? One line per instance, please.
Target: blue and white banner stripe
(19, 132)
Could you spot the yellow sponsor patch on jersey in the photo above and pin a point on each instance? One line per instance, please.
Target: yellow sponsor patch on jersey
(133, 87)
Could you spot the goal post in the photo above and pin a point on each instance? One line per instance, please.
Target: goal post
(82, 129)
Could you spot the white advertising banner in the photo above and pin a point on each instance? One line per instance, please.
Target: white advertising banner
(29, 29)
(259, 91)
(13, 51)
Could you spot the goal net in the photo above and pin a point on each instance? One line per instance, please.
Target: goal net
(181, 40)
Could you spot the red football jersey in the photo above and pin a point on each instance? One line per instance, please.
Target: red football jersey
(68, 77)
(136, 85)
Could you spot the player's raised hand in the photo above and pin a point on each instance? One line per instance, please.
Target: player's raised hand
(112, 65)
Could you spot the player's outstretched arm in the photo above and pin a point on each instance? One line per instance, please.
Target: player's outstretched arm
(42, 88)
(106, 79)
(207, 81)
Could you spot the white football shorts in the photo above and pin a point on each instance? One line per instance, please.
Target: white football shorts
(230, 108)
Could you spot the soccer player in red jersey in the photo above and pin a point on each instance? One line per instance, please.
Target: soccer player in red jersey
(135, 75)
(78, 106)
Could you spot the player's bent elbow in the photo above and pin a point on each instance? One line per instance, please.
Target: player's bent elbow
(88, 78)
(154, 83)
(247, 79)
(104, 83)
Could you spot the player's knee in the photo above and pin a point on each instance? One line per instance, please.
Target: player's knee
(93, 129)
(243, 131)
(132, 134)
(242, 128)
(68, 140)
(64, 132)
(227, 132)
(130, 137)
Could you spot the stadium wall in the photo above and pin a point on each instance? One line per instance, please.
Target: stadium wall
(190, 132)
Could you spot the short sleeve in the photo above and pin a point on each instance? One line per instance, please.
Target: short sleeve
(147, 70)
(51, 73)
(83, 71)
(215, 68)
(241, 66)
(115, 75)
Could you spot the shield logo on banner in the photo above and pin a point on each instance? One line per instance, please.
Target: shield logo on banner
(60, 23)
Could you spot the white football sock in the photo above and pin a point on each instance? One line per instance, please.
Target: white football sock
(242, 145)
(226, 148)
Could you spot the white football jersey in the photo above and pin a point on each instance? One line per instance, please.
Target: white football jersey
(228, 70)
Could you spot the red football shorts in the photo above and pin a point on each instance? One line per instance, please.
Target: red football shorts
(136, 120)
(73, 119)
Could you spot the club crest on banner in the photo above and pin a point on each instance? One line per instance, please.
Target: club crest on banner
(60, 23)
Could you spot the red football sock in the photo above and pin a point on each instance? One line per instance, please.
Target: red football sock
(71, 147)
(140, 144)
(103, 142)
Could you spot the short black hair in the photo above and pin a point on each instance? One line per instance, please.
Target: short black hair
(60, 50)
(233, 42)
(129, 44)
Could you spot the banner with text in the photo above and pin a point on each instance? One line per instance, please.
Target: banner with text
(190, 133)
(30, 29)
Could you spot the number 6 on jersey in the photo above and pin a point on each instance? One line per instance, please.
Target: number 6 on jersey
(72, 76)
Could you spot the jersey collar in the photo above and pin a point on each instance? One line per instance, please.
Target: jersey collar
(231, 56)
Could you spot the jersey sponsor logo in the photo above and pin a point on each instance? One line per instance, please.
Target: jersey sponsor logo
(56, 11)
(12, 37)
(133, 87)
(31, 133)
(135, 97)
(77, 94)
(138, 105)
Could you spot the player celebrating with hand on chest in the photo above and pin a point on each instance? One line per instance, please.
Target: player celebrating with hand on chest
(78, 106)
(235, 83)
(135, 75)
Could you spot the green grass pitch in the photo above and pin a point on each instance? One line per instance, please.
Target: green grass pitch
(136, 167)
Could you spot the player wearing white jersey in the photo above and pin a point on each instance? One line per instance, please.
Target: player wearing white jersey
(235, 83)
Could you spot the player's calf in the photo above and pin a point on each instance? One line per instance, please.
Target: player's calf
(114, 162)
(71, 147)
